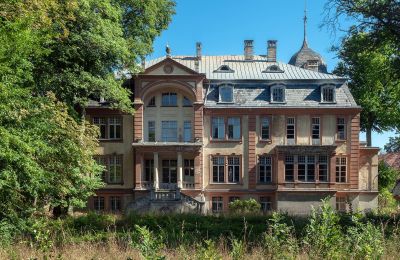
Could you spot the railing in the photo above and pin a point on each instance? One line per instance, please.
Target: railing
(168, 186)
(147, 185)
(197, 205)
(188, 185)
(165, 195)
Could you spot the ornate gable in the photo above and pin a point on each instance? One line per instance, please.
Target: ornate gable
(169, 67)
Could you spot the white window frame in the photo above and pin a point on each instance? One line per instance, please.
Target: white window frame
(265, 119)
(315, 127)
(291, 121)
(289, 160)
(233, 163)
(328, 87)
(281, 88)
(218, 164)
(325, 162)
(115, 169)
(341, 161)
(228, 88)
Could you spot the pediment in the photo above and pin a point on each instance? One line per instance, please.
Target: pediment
(167, 67)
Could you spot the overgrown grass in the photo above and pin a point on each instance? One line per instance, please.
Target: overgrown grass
(323, 235)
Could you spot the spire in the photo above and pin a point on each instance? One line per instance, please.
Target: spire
(305, 43)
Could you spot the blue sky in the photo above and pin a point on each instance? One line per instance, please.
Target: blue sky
(222, 25)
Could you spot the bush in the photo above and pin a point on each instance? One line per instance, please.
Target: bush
(147, 243)
(244, 206)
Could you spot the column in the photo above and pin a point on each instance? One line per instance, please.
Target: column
(138, 170)
(155, 177)
(180, 170)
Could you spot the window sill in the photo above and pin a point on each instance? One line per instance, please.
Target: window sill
(169, 106)
(278, 102)
(267, 141)
(120, 140)
(225, 102)
(265, 183)
(226, 141)
(225, 183)
(114, 183)
(340, 141)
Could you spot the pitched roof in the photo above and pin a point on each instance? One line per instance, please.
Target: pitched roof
(391, 159)
(246, 70)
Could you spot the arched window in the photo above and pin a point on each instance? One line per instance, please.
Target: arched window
(169, 100)
(186, 102)
(328, 94)
(278, 94)
(226, 93)
(152, 102)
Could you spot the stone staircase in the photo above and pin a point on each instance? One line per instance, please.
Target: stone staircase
(166, 201)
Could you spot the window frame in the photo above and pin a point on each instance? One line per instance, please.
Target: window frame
(187, 123)
(153, 128)
(266, 203)
(190, 104)
(265, 166)
(225, 128)
(107, 164)
(315, 141)
(100, 205)
(236, 166)
(118, 161)
(307, 162)
(328, 87)
(344, 124)
(118, 202)
(225, 173)
(294, 130)
(320, 162)
(165, 137)
(152, 102)
(262, 118)
(339, 169)
(231, 89)
(169, 103)
(106, 122)
(218, 172)
(289, 162)
(238, 120)
(278, 87)
(217, 204)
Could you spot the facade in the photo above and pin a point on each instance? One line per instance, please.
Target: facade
(211, 129)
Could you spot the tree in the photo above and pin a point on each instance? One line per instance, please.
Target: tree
(373, 81)
(393, 146)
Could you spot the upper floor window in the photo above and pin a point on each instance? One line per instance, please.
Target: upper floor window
(278, 94)
(186, 102)
(290, 130)
(152, 102)
(289, 168)
(113, 168)
(169, 131)
(341, 128)
(233, 128)
(218, 169)
(187, 131)
(226, 94)
(265, 169)
(151, 131)
(265, 128)
(226, 169)
(224, 68)
(110, 127)
(233, 169)
(328, 94)
(218, 128)
(341, 169)
(169, 100)
(315, 130)
(221, 125)
(306, 168)
(273, 69)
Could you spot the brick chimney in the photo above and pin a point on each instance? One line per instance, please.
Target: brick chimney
(198, 50)
(248, 50)
(271, 51)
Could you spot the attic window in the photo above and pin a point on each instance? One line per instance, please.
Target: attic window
(312, 65)
(273, 69)
(278, 94)
(328, 94)
(226, 94)
(224, 69)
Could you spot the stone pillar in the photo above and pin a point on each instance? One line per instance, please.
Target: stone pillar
(180, 171)
(138, 170)
(155, 177)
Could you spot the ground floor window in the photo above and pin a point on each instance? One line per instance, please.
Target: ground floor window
(217, 204)
(226, 169)
(148, 170)
(289, 168)
(265, 169)
(341, 169)
(218, 168)
(115, 203)
(266, 204)
(233, 169)
(98, 203)
(233, 198)
(169, 171)
(341, 204)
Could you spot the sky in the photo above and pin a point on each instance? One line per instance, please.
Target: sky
(222, 26)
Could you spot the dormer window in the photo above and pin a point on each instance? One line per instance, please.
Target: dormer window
(224, 68)
(152, 102)
(273, 69)
(278, 94)
(186, 102)
(226, 94)
(312, 65)
(328, 94)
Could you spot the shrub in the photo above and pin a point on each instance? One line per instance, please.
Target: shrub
(244, 206)
(323, 235)
(279, 241)
(208, 251)
(238, 249)
(149, 245)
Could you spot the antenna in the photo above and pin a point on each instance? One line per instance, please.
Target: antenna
(305, 44)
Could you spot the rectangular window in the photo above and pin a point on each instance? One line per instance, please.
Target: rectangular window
(341, 128)
(217, 204)
(152, 131)
(115, 169)
(323, 168)
(341, 169)
(278, 94)
(152, 102)
(233, 169)
(188, 168)
(315, 130)
(289, 168)
(306, 168)
(169, 131)
(290, 130)
(102, 160)
(114, 124)
(341, 204)
(328, 94)
(101, 123)
(265, 128)
(148, 170)
(218, 169)
(187, 131)
(218, 128)
(169, 171)
(169, 100)
(266, 204)
(98, 203)
(233, 128)
(115, 203)
(226, 94)
(233, 198)
(265, 169)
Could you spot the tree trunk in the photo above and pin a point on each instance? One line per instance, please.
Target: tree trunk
(369, 136)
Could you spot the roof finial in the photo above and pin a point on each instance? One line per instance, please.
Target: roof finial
(168, 50)
(305, 44)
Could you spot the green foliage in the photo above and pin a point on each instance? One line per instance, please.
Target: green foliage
(208, 251)
(147, 243)
(238, 249)
(323, 234)
(386, 202)
(387, 176)
(364, 241)
(279, 241)
(393, 146)
(244, 206)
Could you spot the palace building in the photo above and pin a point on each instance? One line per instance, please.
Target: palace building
(208, 130)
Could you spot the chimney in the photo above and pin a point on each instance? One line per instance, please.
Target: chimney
(248, 49)
(198, 50)
(271, 51)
